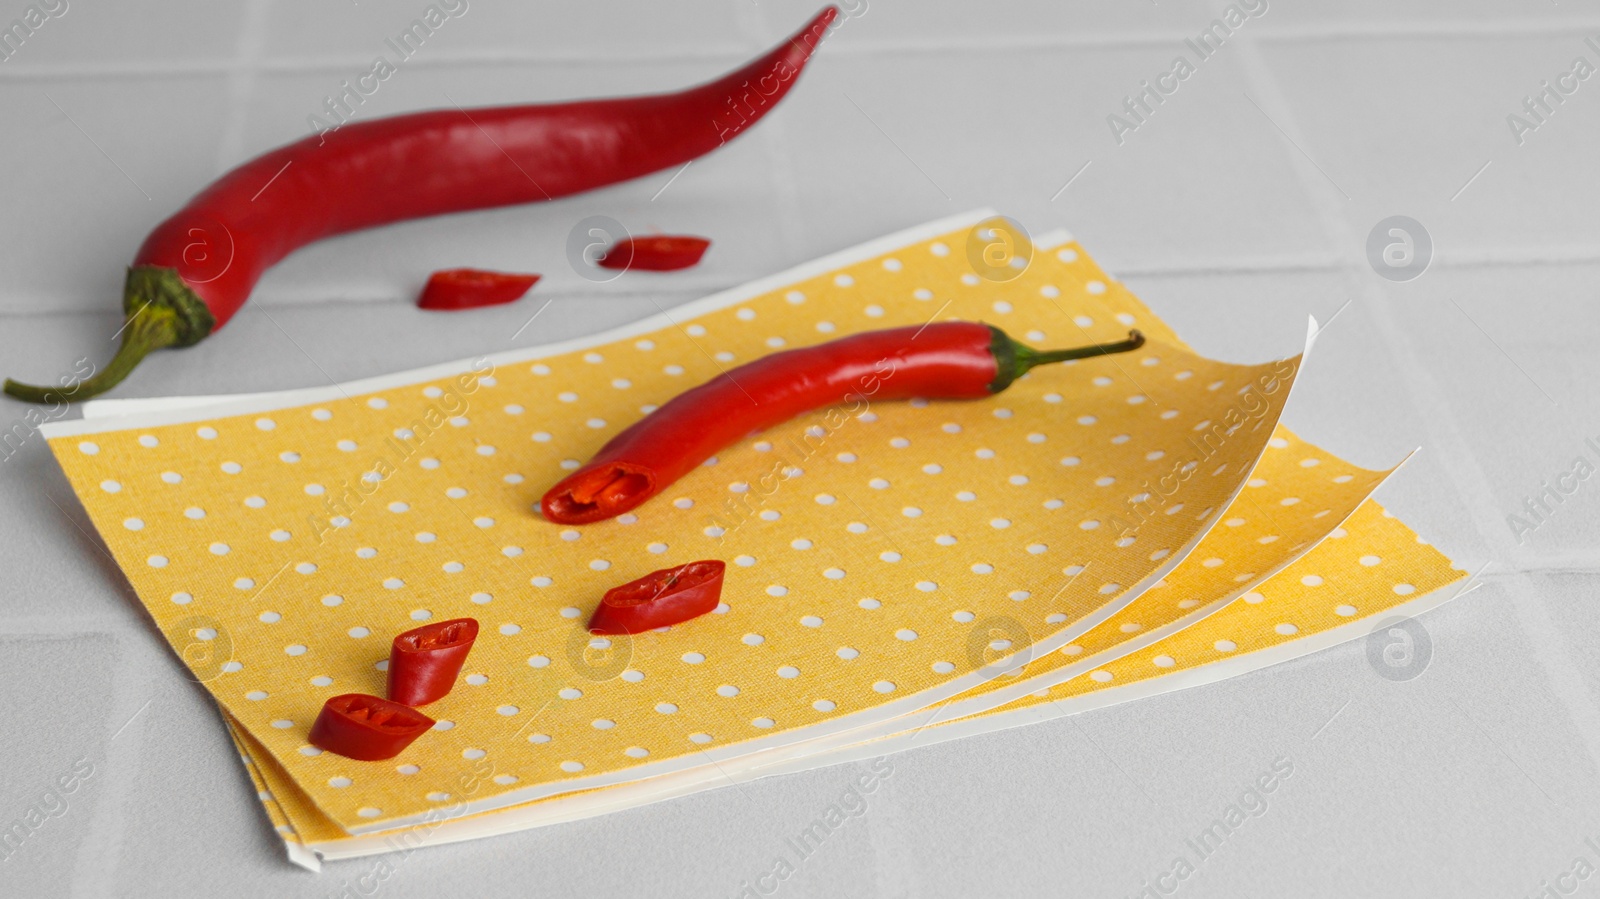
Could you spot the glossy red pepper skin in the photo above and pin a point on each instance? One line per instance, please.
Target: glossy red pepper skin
(660, 598)
(366, 728)
(656, 253)
(945, 360)
(472, 288)
(197, 268)
(425, 661)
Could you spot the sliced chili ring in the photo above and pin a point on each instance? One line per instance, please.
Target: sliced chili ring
(660, 598)
(471, 288)
(656, 252)
(424, 661)
(366, 728)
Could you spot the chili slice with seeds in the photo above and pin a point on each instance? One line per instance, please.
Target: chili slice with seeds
(656, 253)
(366, 728)
(424, 661)
(660, 598)
(472, 288)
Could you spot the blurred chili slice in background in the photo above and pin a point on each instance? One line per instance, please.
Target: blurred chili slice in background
(471, 288)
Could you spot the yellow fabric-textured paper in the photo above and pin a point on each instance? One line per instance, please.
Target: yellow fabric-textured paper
(1282, 473)
(1366, 568)
(294, 816)
(850, 583)
(1296, 495)
(269, 801)
(1266, 532)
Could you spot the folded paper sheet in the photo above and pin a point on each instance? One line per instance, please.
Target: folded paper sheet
(1296, 496)
(1372, 572)
(1274, 523)
(1374, 560)
(305, 530)
(1393, 570)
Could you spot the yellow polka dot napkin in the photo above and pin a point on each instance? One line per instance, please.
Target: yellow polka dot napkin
(1369, 575)
(280, 542)
(1297, 496)
(1338, 591)
(1369, 569)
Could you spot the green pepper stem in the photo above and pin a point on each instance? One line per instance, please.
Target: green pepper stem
(162, 311)
(1014, 359)
(1028, 357)
(149, 329)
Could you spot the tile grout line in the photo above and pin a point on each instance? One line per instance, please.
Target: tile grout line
(1330, 216)
(1109, 39)
(118, 762)
(50, 626)
(1460, 464)
(242, 81)
(773, 135)
(885, 841)
(93, 875)
(1292, 263)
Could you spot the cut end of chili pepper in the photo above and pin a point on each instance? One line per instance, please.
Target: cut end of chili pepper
(1014, 359)
(162, 312)
(424, 662)
(597, 493)
(445, 634)
(656, 253)
(660, 599)
(366, 728)
(473, 288)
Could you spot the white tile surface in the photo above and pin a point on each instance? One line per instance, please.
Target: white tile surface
(59, 702)
(1405, 131)
(85, 180)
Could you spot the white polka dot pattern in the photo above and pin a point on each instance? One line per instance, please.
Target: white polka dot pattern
(1348, 588)
(420, 467)
(1375, 538)
(1249, 545)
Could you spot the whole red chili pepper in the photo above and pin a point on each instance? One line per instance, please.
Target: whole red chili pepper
(947, 360)
(656, 252)
(472, 288)
(424, 661)
(197, 268)
(366, 728)
(660, 598)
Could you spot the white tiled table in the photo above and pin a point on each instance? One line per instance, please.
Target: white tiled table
(1242, 205)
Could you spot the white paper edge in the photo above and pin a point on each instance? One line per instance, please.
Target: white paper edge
(823, 754)
(111, 407)
(825, 737)
(960, 708)
(304, 856)
(734, 755)
(1210, 673)
(574, 808)
(261, 402)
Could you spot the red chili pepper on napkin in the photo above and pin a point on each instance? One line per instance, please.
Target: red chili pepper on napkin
(472, 288)
(424, 661)
(660, 598)
(656, 253)
(947, 360)
(197, 268)
(366, 728)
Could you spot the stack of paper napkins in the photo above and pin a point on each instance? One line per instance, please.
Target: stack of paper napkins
(1102, 530)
